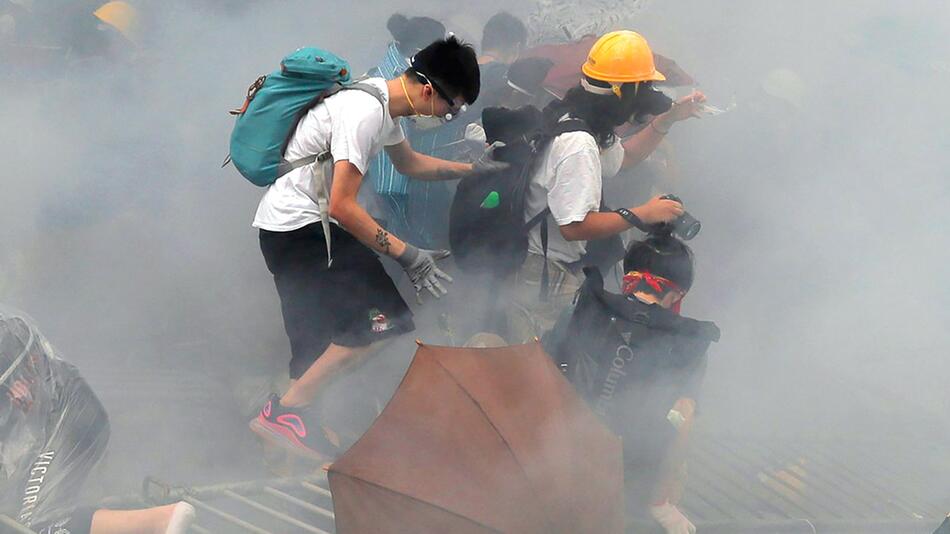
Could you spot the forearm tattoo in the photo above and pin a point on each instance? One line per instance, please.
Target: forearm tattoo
(382, 239)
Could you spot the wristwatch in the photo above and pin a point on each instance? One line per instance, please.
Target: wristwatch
(631, 218)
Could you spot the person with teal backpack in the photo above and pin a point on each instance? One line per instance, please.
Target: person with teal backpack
(308, 134)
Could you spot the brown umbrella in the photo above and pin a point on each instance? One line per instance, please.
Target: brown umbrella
(481, 440)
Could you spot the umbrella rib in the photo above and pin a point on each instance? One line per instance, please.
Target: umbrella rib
(420, 501)
(481, 410)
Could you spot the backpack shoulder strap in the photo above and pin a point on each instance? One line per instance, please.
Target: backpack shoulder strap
(568, 126)
(287, 166)
(562, 127)
(367, 88)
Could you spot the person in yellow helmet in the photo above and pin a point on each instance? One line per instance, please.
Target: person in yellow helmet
(122, 17)
(565, 187)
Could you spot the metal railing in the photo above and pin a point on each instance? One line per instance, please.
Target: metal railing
(262, 507)
(735, 486)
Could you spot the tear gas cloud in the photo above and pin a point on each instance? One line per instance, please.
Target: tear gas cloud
(823, 198)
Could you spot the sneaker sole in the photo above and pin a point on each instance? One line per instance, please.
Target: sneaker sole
(283, 442)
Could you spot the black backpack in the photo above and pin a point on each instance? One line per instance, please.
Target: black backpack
(487, 231)
(611, 343)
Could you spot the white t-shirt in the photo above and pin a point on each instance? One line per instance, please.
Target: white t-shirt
(355, 126)
(569, 180)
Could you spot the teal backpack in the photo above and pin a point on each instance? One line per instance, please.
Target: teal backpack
(275, 104)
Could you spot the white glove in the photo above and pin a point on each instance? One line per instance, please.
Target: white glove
(475, 133)
(487, 164)
(672, 520)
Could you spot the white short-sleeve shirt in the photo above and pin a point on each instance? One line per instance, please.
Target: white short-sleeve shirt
(355, 127)
(569, 180)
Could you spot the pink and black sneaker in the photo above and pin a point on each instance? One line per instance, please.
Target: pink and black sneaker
(285, 428)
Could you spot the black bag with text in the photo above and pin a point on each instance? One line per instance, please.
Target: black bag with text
(614, 346)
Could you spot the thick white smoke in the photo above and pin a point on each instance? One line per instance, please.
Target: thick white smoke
(823, 196)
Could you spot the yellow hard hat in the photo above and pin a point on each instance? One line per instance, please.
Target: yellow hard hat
(621, 57)
(121, 16)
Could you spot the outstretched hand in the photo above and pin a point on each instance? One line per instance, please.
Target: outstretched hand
(688, 107)
(420, 266)
(486, 163)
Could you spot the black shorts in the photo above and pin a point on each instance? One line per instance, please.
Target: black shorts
(353, 303)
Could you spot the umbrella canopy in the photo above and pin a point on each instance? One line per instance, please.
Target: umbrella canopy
(481, 440)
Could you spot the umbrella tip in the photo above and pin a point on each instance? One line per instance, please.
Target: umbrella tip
(418, 342)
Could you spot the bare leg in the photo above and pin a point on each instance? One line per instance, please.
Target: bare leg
(669, 485)
(333, 360)
(147, 521)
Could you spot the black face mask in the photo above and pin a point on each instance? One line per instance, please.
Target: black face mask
(645, 101)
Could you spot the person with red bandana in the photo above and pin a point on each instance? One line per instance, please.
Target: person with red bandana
(640, 365)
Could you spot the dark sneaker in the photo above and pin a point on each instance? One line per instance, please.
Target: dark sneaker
(285, 428)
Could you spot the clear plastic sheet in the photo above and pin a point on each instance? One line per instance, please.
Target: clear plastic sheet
(53, 429)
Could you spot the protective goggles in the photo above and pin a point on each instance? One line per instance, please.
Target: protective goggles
(455, 108)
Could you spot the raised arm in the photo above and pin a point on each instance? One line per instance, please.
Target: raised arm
(420, 166)
(639, 146)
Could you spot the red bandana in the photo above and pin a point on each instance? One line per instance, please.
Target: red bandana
(635, 281)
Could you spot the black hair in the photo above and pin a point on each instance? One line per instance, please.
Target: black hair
(528, 74)
(412, 34)
(603, 113)
(662, 254)
(452, 65)
(510, 125)
(504, 32)
(648, 102)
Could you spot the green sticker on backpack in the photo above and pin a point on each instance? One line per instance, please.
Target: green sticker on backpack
(491, 201)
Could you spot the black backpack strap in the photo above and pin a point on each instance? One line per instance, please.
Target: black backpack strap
(545, 274)
(537, 219)
(542, 219)
(568, 126)
(562, 127)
